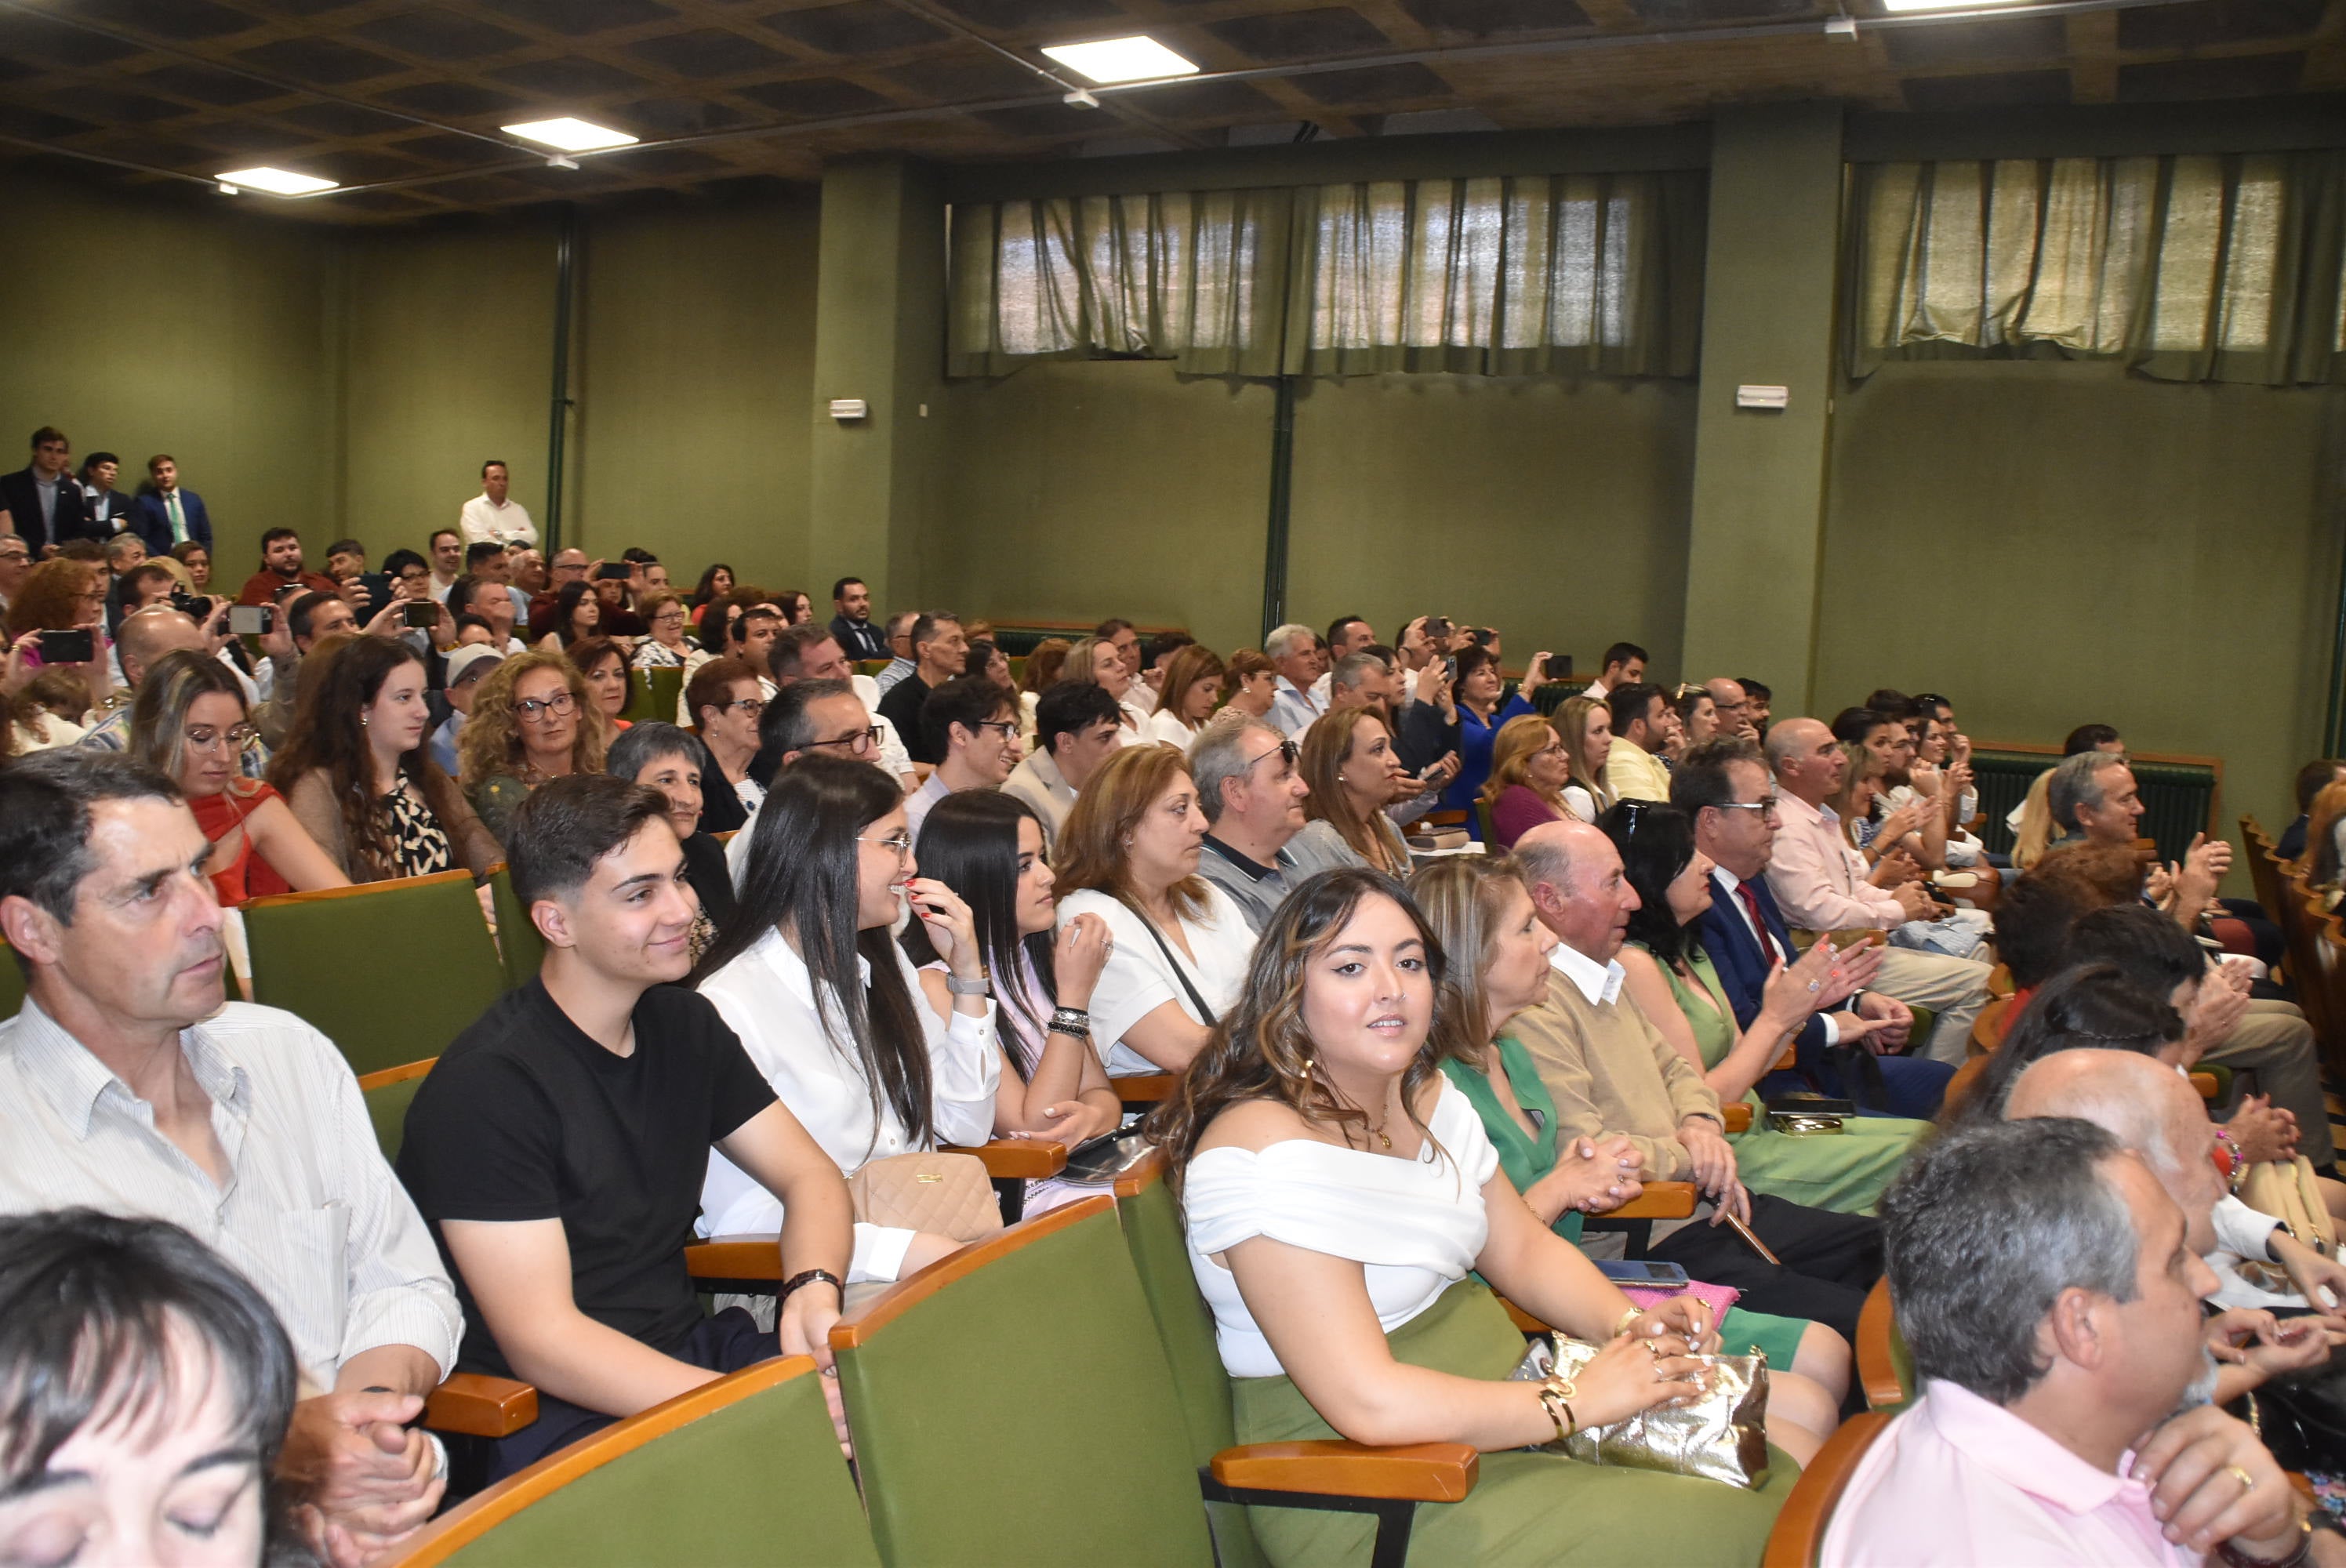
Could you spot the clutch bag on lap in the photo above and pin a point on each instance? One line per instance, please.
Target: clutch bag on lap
(944, 1194)
(1722, 1436)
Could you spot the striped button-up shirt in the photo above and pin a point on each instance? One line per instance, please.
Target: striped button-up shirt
(311, 1214)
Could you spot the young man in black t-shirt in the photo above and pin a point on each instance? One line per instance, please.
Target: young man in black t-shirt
(557, 1149)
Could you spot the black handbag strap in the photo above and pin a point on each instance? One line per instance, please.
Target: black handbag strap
(1205, 1013)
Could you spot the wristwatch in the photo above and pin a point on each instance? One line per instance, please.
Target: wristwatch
(2233, 1557)
(960, 987)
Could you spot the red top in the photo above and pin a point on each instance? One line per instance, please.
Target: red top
(248, 876)
(264, 587)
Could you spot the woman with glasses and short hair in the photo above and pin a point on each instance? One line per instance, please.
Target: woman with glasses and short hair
(529, 723)
(668, 646)
(189, 724)
(809, 973)
(725, 702)
(672, 762)
(359, 777)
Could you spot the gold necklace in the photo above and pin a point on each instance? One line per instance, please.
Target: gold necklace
(1380, 1128)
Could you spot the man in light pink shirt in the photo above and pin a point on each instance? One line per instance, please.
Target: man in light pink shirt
(2063, 1416)
(1822, 884)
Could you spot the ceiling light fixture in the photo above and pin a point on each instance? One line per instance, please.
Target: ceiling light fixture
(1138, 58)
(567, 135)
(275, 181)
(1895, 5)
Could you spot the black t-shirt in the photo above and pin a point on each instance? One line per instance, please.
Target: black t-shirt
(901, 704)
(526, 1118)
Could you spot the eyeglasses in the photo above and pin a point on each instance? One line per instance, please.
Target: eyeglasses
(1767, 809)
(668, 619)
(752, 706)
(204, 738)
(532, 710)
(1007, 727)
(898, 841)
(1285, 749)
(858, 740)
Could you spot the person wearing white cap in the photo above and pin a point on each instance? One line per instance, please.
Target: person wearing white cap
(467, 666)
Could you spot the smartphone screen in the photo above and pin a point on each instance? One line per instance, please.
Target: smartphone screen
(422, 613)
(67, 647)
(250, 620)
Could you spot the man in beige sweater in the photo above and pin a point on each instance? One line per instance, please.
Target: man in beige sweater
(1613, 1074)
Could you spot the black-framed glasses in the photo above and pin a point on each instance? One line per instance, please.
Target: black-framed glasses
(1286, 750)
(854, 740)
(535, 710)
(752, 706)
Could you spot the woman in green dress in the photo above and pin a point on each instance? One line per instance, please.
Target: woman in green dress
(1481, 914)
(1338, 1194)
(1672, 982)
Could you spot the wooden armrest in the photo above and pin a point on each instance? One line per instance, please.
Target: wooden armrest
(480, 1406)
(2206, 1085)
(1145, 1089)
(1420, 1472)
(1660, 1200)
(1790, 1059)
(1031, 1158)
(735, 1258)
(1877, 1364)
(1738, 1116)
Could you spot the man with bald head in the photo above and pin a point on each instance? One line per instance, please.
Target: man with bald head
(1823, 884)
(2153, 1111)
(1614, 1074)
(1733, 708)
(146, 636)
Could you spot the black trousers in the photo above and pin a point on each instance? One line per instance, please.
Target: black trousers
(725, 1343)
(1830, 1261)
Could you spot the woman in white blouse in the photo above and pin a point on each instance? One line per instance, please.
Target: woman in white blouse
(1128, 854)
(1098, 662)
(1336, 1191)
(808, 974)
(1193, 689)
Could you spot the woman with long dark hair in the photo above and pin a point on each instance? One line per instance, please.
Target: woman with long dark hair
(1674, 983)
(808, 974)
(578, 613)
(1475, 690)
(1343, 1207)
(358, 775)
(988, 848)
(715, 584)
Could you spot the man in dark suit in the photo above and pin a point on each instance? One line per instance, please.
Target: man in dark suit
(42, 501)
(858, 638)
(1724, 788)
(108, 509)
(168, 514)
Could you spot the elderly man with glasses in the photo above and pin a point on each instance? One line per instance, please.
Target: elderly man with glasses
(1253, 799)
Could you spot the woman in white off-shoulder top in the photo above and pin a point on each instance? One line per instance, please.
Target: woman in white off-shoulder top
(1341, 1195)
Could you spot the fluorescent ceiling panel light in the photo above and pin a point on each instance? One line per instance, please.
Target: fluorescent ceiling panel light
(1946, 5)
(275, 181)
(568, 134)
(1136, 59)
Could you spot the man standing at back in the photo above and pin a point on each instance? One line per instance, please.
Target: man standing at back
(850, 622)
(492, 516)
(41, 501)
(167, 513)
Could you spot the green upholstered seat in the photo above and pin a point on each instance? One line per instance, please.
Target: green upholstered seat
(653, 693)
(1011, 1404)
(391, 971)
(388, 1095)
(744, 1470)
(1484, 828)
(520, 948)
(1151, 1220)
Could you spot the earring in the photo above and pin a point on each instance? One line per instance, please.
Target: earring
(362, 721)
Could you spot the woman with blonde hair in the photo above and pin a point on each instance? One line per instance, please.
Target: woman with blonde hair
(1192, 690)
(1098, 662)
(188, 724)
(1529, 769)
(1128, 854)
(1343, 1207)
(1354, 773)
(1586, 724)
(530, 722)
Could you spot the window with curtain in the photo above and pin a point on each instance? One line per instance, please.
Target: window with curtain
(2187, 267)
(1498, 275)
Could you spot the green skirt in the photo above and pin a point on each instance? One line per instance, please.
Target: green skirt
(1845, 1172)
(1528, 1507)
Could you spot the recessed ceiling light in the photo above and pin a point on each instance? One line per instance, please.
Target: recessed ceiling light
(569, 135)
(275, 181)
(1945, 5)
(1136, 59)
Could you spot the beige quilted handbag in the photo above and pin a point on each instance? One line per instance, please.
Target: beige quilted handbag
(944, 1194)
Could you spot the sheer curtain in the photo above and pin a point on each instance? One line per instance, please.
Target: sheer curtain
(2189, 267)
(1511, 276)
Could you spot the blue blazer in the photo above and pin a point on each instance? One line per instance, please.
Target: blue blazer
(154, 523)
(1743, 971)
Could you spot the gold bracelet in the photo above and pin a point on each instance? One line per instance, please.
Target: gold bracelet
(1631, 1316)
(1554, 1394)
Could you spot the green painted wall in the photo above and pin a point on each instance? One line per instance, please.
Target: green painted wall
(1556, 511)
(2053, 543)
(695, 335)
(446, 362)
(181, 326)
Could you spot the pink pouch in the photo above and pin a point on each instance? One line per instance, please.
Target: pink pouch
(1717, 1298)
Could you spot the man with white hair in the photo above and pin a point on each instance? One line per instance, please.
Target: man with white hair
(1293, 651)
(1253, 800)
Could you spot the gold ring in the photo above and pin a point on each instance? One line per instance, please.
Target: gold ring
(2248, 1482)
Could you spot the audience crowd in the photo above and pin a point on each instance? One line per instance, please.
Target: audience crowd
(1426, 969)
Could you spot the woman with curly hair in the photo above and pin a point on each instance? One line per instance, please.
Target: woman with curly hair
(358, 775)
(529, 723)
(58, 596)
(1343, 1207)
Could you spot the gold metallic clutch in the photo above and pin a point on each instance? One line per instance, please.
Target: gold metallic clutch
(1720, 1437)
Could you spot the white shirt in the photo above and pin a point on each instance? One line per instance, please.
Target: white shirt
(487, 520)
(1415, 1225)
(1038, 782)
(1162, 725)
(1294, 710)
(311, 1214)
(917, 803)
(1139, 978)
(767, 997)
(1600, 984)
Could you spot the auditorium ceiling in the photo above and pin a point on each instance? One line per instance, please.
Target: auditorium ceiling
(402, 102)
